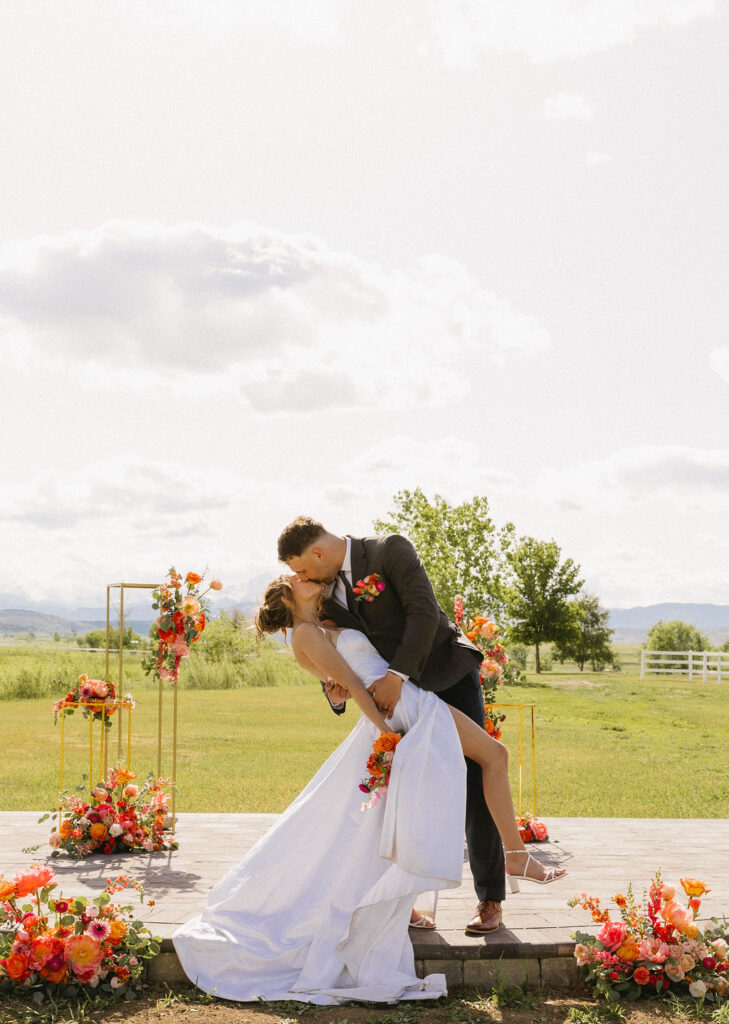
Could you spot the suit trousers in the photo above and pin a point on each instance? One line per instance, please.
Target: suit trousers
(485, 849)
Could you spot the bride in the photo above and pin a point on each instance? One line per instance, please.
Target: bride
(318, 910)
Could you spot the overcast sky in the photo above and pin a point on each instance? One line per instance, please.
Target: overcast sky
(261, 258)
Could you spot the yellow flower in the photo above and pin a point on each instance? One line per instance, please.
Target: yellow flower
(694, 887)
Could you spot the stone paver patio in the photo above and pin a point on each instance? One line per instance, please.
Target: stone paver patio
(602, 855)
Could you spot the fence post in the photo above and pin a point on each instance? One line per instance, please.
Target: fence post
(719, 656)
(704, 666)
(691, 666)
(642, 663)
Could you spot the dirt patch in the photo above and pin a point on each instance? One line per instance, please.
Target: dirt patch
(574, 684)
(517, 1007)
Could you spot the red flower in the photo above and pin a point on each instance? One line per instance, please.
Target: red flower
(641, 976)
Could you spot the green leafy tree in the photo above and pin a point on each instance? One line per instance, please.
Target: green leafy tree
(589, 638)
(461, 548)
(537, 602)
(97, 638)
(228, 637)
(676, 636)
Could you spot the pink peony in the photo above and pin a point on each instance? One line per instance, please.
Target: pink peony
(612, 935)
(653, 950)
(131, 791)
(54, 840)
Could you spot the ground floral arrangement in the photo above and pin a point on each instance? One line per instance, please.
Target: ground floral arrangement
(655, 945)
(182, 616)
(117, 817)
(55, 947)
(531, 829)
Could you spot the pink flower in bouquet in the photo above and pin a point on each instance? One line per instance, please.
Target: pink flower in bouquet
(539, 830)
(99, 930)
(101, 690)
(653, 950)
(612, 934)
(582, 954)
(190, 605)
(216, 585)
(54, 840)
(667, 891)
(674, 972)
(91, 911)
(84, 955)
(490, 669)
(179, 648)
(131, 791)
(99, 792)
(686, 962)
(35, 878)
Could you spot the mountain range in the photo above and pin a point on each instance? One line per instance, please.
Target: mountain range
(631, 625)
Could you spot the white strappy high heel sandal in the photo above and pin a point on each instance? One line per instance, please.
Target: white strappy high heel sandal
(552, 874)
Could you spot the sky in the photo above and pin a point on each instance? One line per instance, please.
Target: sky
(261, 258)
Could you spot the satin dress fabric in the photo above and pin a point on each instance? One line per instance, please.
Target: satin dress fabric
(318, 910)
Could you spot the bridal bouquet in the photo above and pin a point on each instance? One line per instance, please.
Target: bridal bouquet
(96, 696)
(379, 766)
(118, 817)
(53, 946)
(180, 623)
(655, 945)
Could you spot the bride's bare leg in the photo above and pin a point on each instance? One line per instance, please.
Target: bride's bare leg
(494, 760)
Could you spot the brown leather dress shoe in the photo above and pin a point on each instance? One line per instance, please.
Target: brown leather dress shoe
(486, 919)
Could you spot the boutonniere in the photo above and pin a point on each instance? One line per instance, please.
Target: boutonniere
(369, 588)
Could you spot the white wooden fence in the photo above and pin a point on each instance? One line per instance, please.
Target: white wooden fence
(696, 664)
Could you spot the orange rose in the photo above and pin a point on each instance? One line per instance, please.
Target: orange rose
(489, 727)
(386, 741)
(192, 577)
(7, 888)
(619, 900)
(66, 830)
(693, 887)
(16, 965)
(629, 951)
(118, 931)
(372, 766)
(55, 977)
(216, 585)
(98, 831)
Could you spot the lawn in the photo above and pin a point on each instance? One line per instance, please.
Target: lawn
(607, 745)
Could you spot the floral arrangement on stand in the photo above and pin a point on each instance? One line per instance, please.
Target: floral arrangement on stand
(180, 623)
(495, 669)
(118, 817)
(52, 946)
(654, 946)
(379, 766)
(97, 697)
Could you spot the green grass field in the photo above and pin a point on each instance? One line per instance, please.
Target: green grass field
(607, 744)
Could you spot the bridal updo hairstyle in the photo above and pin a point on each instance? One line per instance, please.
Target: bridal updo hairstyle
(298, 536)
(275, 613)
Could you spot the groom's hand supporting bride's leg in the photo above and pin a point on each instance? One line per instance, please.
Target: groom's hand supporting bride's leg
(386, 692)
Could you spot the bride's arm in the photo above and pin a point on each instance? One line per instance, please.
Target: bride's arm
(310, 645)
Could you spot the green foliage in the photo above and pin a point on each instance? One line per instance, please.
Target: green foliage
(588, 638)
(229, 637)
(537, 601)
(676, 636)
(462, 550)
(97, 638)
(519, 654)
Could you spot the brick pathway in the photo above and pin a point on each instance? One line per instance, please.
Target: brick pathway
(602, 855)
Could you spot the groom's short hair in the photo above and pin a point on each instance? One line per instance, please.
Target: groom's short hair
(298, 536)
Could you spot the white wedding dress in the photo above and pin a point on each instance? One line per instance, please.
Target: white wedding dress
(318, 910)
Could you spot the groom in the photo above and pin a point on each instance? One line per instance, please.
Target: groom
(411, 632)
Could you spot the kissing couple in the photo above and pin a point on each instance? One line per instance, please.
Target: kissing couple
(319, 909)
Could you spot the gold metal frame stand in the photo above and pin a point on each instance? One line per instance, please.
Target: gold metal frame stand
(522, 708)
(121, 587)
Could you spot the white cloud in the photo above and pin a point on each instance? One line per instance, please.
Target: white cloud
(315, 20)
(719, 362)
(284, 318)
(596, 156)
(547, 30)
(567, 107)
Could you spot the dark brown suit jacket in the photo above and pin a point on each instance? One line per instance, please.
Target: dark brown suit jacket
(405, 622)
